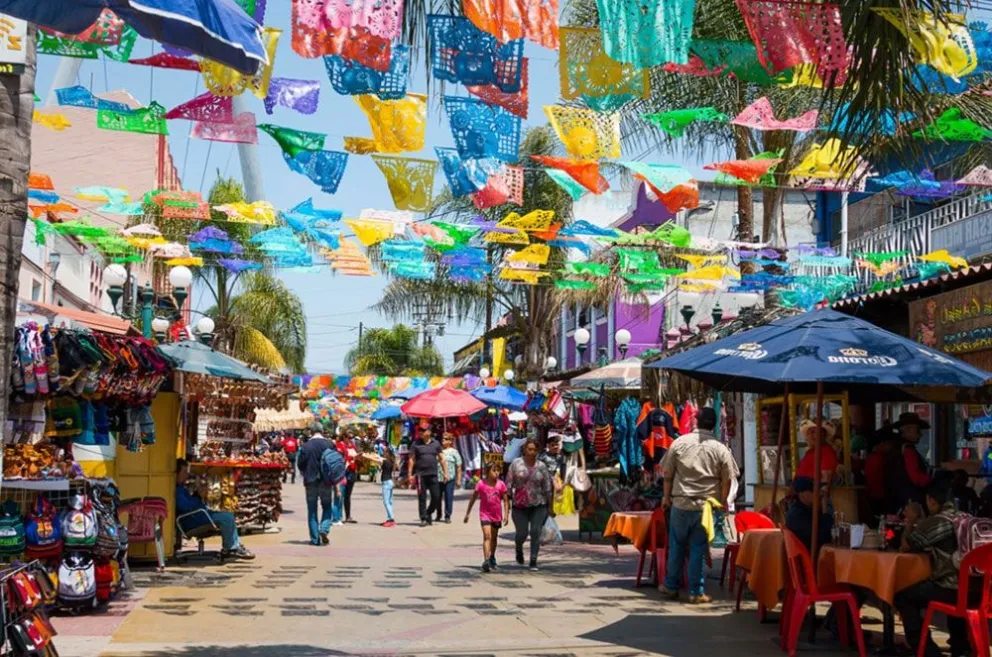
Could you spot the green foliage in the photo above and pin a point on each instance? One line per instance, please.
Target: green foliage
(394, 352)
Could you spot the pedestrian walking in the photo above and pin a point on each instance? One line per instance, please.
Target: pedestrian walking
(349, 450)
(494, 512)
(450, 473)
(290, 447)
(532, 491)
(317, 481)
(388, 465)
(698, 472)
(424, 464)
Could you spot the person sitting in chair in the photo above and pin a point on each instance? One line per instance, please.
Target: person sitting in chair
(187, 502)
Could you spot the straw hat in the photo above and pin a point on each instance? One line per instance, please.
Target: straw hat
(828, 428)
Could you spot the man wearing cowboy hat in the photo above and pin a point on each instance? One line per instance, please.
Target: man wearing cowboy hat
(828, 457)
(906, 472)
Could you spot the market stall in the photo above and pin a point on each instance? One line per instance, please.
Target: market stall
(232, 467)
(77, 396)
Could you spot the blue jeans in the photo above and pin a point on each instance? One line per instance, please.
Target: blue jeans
(319, 492)
(685, 532)
(224, 521)
(338, 496)
(387, 497)
(449, 498)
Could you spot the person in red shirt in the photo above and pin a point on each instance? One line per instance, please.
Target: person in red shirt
(828, 457)
(906, 473)
(290, 447)
(349, 450)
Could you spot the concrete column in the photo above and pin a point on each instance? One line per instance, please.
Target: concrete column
(251, 168)
(750, 448)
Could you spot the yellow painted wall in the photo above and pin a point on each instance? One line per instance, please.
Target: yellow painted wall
(152, 472)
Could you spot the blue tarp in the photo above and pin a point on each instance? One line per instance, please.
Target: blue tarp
(387, 413)
(844, 352)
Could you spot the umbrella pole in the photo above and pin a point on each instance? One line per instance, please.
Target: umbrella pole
(781, 439)
(816, 470)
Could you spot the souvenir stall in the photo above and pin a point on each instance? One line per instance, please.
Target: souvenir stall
(231, 465)
(73, 390)
(623, 441)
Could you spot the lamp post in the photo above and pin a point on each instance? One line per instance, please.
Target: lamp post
(582, 338)
(717, 313)
(54, 260)
(687, 312)
(147, 310)
(115, 276)
(509, 375)
(550, 363)
(484, 373)
(622, 338)
(205, 328)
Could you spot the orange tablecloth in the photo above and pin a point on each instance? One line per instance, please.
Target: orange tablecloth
(884, 573)
(632, 525)
(762, 555)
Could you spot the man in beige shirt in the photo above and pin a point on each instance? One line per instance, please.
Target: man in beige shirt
(698, 467)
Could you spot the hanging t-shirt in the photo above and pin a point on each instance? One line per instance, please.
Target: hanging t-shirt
(491, 500)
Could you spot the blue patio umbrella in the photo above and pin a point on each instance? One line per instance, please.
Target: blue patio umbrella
(216, 29)
(843, 352)
(408, 394)
(501, 397)
(387, 413)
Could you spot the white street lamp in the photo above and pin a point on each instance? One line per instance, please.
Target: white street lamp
(205, 327)
(180, 276)
(508, 375)
(551, 363)
(160, 326)
(484, 373)
(582, 338)
(622, 338)
(115, 276)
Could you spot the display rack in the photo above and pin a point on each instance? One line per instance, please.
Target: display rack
(12, 615)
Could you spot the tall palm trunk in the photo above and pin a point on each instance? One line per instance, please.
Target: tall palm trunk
(16, 111)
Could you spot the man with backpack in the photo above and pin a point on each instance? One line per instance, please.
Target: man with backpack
(935, 535)
(187, 502)
(321, 467)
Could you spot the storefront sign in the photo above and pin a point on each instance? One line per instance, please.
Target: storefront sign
(969, 238)
(13, 45)
(958, 323)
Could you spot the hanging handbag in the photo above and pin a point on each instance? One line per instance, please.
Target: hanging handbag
(602, 438)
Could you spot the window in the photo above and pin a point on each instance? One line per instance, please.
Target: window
(35, 290)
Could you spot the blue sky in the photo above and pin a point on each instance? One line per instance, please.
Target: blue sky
(335, 304)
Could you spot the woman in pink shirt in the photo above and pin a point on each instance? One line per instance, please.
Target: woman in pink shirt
(494, 512)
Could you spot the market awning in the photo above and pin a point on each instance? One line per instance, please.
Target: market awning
(501, 397)
(624, 374)
(93, 321)
(196, 358)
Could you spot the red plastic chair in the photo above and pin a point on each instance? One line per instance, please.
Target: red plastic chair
(805, 593)
(657, 546)
(977, 617)
(743, 522)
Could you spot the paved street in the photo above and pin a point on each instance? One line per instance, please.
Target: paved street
(407, 591)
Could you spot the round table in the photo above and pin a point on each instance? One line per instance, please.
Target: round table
(762, 555)
(632, 525)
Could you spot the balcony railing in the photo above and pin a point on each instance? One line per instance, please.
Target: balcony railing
(913, 234)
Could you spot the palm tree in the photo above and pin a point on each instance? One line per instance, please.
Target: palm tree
(258, 318)
(394, 352)
(16, 111)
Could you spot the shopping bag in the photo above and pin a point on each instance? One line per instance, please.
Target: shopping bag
(550, 534)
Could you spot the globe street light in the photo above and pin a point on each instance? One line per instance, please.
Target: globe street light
(484, 373)
(160, 326)
(582, 338)
(551, 363)
(205, 327)
(181, 278)
(508, 375)
(115, 275)
(622, 338)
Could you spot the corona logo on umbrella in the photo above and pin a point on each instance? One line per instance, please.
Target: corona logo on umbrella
(852, 356)
(748, 350)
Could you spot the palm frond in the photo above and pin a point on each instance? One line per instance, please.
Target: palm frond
(251, 346)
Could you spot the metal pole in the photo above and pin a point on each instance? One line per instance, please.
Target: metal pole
(843, 224)
(361, 328)
(816, 471)
(781, 438)
(486, 344)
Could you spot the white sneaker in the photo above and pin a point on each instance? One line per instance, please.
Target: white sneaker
(339, 523)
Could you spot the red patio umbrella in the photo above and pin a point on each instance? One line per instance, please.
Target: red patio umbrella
(442, 402)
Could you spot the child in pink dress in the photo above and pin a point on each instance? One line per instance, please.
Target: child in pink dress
(494, 512)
